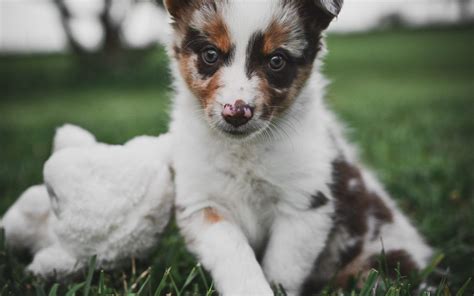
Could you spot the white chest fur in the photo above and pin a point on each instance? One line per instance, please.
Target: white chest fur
(250, 180)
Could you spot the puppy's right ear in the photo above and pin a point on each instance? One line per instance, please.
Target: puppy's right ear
(326, 11)
(177, 8)
(330, 7)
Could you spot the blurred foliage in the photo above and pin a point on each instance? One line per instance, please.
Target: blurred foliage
(407, 96)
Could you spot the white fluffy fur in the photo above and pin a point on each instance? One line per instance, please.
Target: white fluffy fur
(70, 135)
(26, 223)
(112, 201)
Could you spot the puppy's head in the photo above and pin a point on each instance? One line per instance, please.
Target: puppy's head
(247, 60)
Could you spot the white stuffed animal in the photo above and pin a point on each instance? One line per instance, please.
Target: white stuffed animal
(112, 201)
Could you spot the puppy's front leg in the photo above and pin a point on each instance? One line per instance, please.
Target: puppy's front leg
(223, 249)
(296, 241)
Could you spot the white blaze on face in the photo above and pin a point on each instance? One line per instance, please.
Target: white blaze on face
(244, 19)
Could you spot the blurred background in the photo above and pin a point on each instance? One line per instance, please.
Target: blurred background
(38, 26)
(402, 76)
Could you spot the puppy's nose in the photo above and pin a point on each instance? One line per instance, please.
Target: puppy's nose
(237, 114)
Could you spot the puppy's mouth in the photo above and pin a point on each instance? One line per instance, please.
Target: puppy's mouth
(242, 131)
(237, 132)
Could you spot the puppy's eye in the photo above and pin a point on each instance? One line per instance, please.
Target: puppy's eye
(210, 55)
(277, 62)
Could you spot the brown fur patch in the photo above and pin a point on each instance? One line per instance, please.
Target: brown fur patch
(303, 74)
(217, 32)
(204, 90)
(274, 37)
(181, 11)
(212, 216)
(394, 260)
(356, 268)
(176, 52)
(354, 206)
(276, 102)
(207, 93)
(269, 105)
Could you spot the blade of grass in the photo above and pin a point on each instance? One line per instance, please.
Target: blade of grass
(280, 291)
(446, 291)
(203, 277)
(40, 290)
(124, 283)
(431, 267)
(162, 284)
(54, 290)
(196, 290)
(192, 275)
(393, 292)
(101, 283)
(175, 287)
(134, 269)
(74, 289)
(369, 283)
(463, 288)
(441, 287)
(144, 285)
(210, 291)
(90, 274)
(142, 276)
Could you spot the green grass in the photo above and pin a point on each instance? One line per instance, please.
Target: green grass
(408, 97)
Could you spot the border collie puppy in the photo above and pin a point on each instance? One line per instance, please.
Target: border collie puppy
(268, 189)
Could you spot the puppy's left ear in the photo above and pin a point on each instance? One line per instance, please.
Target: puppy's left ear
(178, 8)
(330, 7)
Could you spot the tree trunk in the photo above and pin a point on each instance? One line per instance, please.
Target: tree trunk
(464, 11)
(112, 43)
(66, 16)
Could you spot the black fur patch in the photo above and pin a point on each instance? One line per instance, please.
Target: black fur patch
(254, 53)
(257, 62)
(315, 13)
(353, 206)
(195, 42)
(318, 200)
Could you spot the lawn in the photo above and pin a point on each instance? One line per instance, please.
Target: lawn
(407, 96)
